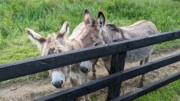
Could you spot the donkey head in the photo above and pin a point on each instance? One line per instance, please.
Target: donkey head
(53, 44)
(90, 34)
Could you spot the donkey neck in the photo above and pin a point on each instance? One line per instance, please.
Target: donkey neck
(111, 32)
(73, 44)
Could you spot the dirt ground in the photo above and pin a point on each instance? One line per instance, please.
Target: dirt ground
(26, 91)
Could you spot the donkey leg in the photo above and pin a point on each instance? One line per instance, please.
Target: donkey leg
(94, 69)
(142, 80)
(75, 82)
(142, 76)
(83, 79)
(94, 72)
(141, 62)
(146, 60)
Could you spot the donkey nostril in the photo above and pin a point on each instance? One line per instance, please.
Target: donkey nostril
(58, 84)
(84, 70)
(61, 82)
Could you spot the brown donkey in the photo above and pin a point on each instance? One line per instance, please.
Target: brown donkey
(93, 32)
(58, 43)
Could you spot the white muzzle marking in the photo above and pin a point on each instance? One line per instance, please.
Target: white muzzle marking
(86, 64)
(57, 77)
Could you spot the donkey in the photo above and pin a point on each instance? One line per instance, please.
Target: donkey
(96, 32)
(58, 43)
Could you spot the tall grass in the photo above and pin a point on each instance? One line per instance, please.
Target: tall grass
(48, 15)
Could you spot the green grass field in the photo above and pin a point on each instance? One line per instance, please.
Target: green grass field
(46, 16)
(170, 92)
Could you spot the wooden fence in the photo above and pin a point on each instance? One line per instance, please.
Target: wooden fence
(113, 81)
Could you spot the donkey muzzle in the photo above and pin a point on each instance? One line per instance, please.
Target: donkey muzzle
(85, 66)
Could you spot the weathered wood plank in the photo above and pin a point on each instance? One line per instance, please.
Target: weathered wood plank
(117, 65)
(148, 88)
(34, 65)
(98, 84)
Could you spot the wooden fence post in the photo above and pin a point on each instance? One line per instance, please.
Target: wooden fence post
(117, 65)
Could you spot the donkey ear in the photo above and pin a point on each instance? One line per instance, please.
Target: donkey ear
(64, 30)
(101, 19)
(38, 39)
(87, 17)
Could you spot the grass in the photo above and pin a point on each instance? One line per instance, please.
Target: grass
(170, 92)
(46, 16)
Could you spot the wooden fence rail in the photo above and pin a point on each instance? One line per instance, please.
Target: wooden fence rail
(118, 51)
(148, 88)
(98, 84)
(35, 65)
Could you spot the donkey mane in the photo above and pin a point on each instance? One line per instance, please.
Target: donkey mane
(113, 27)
